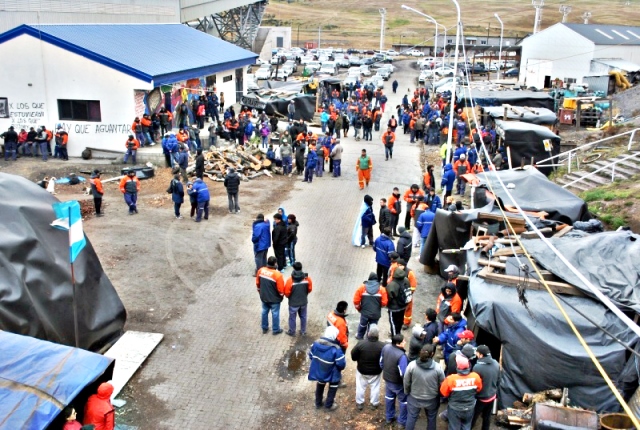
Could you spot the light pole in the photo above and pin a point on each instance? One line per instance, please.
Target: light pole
(383, 13)
(430, 19)
(499, 73)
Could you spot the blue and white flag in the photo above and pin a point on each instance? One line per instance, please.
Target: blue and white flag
(69, 219)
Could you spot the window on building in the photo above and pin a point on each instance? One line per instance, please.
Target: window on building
(570, 81)
(449, 40)
(228, 78)
(279, 42)
(79, 110)
(483, 42)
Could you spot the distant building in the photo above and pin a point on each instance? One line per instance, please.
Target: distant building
(94, 79)
(570, 52)
(271, 39)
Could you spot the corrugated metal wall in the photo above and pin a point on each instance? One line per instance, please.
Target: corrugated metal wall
(597, 83)
(16, 12)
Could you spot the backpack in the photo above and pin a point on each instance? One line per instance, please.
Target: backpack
(404, 293)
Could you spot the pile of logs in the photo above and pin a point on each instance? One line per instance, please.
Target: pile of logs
(251, 163)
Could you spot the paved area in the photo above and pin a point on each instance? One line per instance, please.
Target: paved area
(215, 368)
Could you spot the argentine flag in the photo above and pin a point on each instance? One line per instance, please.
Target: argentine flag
(69, 219)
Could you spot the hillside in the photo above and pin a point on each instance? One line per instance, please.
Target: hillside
(354, 23)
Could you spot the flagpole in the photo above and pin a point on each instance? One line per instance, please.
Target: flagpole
(73, 284)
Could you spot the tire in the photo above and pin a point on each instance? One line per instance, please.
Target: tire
(86, 154)
(592, 157)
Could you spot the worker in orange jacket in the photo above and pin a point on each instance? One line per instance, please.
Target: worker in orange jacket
(388, 139)
(461, 389)
(411, 198)
(97, 191)
(364, 166)
(428, 179)
(132, 146)
(395, 207)
(413, 283)
(369, 299)
(461, 167)
(129, 186)
(270, 286)
(62, 137)
(296, 289)
(338, 319)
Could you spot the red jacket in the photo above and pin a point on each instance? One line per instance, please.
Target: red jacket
(98, 410)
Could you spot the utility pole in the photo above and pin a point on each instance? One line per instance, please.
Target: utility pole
(565, 11)
(383, 14)
(538, 4)
(586, 16)
(319, 32)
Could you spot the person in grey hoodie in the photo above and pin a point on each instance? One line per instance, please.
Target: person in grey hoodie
(336, 157)
(232, 184)
(286, 153)
(369, 300)
(404, 244)
(422, 381)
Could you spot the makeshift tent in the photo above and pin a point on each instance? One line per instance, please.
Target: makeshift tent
(538, 116)
(486, 98)
(538, 349)
(38, 379)
(527, 141)
(608, 260)
(35, 277)
(535, 193)
(305, 106)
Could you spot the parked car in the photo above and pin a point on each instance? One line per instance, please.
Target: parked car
(329, 67)
(376, 81)
(392, 53)
(343, 61)
(388, 67)
(292, 64)
(366, 61)
(354, 60)
(354, 71)
(263, 73)
(364, 69)
(306, 59)
(281, 73)
(350, 80)
(445, 81)
(474, 69)
(415, 53)
(444, 71)
(384, 74)
(313, 66)
(288, 68)
(512, 73)
(369, 52)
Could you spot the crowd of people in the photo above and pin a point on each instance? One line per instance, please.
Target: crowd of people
(35, 143)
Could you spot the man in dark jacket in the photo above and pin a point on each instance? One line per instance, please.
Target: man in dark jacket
(489, 371)
(327, 363)
(183, 163)
(448, 178)
(279, 240)
(232, 184)
(422, 382)
(368, 372)
(396, 305)
(201, 191)
(384, 217)
(10, 144)
(261, 239)
(393, 362)
(369, 300)
(97, 191)
(405, 244)
(199, 163)
(367, 221)
(270, 285)
(416, 342)
(297, 288)
(383, 247)
(177, 194)
(431, 326)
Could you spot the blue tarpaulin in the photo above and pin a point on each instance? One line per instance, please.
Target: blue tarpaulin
(39, 378)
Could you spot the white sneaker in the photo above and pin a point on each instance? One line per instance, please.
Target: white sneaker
(363, 246)
(179, 217)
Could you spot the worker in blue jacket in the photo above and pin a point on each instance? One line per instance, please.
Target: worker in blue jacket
(423, 224)
(261, 239)
(383, 247)
(200, 189)
(448, 339)
(448, 178)
(460, 149)
(327, 363)
(367, 221)
(312, 161)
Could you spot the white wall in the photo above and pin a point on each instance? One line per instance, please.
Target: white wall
(272, 38)
(66, 76)
(229, 88)
(629, 53)
(570, 53)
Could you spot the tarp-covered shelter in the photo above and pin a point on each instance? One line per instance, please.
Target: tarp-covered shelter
(35, 277)
(538, 350)
(538, 116)
(527, 141)
(485, 98)
(38, 379)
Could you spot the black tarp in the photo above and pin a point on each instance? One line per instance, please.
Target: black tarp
(608, 260)
(526, 141)
(539, 350)
(511, 97)
(534, 192)
(305, 106)
(35, 277)
(538, 116)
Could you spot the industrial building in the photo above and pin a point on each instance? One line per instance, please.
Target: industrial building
(570, 52)
(94, 79)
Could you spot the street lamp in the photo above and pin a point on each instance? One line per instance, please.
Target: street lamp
(383, 13)
(499, 73)
(431, 19)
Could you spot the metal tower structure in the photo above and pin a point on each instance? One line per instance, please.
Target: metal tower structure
(565, 11)
(236, 22)
(538, 4)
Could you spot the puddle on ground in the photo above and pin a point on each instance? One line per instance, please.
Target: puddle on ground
(296, 360)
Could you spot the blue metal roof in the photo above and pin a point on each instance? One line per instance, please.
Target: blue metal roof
(162, 53)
